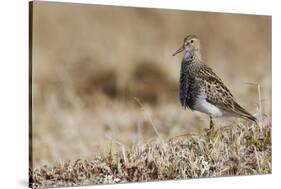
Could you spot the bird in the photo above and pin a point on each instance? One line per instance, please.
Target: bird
(200, 89)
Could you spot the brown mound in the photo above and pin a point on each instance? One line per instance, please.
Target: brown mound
(145, 80)
(150, 83)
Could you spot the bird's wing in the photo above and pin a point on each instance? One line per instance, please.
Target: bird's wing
(219, 95)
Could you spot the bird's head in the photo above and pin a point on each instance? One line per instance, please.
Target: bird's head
(190, 43)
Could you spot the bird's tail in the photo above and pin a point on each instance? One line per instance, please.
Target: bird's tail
(244, 114)
(252, 118)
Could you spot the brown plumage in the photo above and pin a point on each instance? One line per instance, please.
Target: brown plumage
(219, 95)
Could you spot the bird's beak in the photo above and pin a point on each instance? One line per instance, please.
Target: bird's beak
(178, 51)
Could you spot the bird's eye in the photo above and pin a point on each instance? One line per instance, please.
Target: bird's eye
(191, 41)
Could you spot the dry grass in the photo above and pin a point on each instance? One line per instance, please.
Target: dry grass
(239, 149)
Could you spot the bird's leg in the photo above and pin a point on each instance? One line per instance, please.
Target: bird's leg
(211, 132)
(211, 123)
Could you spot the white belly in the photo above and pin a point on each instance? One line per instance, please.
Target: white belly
(202, 105)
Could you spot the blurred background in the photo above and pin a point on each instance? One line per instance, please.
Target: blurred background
(104, 76)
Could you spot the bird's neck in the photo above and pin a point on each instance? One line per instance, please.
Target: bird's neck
(191, 62)
(192, 57)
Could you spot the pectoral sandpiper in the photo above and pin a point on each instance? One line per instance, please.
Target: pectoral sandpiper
(201, 89)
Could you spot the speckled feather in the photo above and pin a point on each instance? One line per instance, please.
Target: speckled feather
(218, 94)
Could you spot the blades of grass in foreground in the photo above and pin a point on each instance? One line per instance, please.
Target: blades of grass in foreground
(148, 117)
